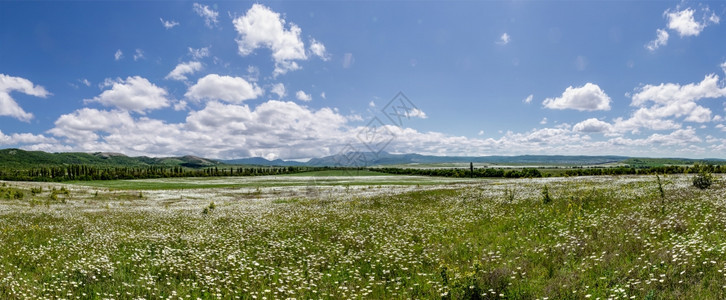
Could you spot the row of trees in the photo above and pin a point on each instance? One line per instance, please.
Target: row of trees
(648, 170)
(85, 172)
(488, 172)
(531, 172)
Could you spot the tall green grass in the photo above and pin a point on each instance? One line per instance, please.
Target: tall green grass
(604, 237)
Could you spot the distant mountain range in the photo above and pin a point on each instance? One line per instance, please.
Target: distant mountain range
(383, 158)
(16, 158)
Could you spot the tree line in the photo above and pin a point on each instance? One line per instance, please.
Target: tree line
(86, 172)
(534, 173)
(460, 173)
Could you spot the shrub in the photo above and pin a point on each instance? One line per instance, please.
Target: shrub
(703, 180)
(546, 198)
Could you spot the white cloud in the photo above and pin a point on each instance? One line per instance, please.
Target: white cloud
(24, 138)
(82, 124)
(318, 49)
(290, 131)
(302, 96)
(8, 106)
(199, 53)
(372, 104)
(118, 55)
(481, 132)
(180, 71)
(723, 67)
(660, 40)
(279, 90)
(671, 99)
(544, 121)
(139, 54)
(416, 113)
(585, 98)
(84, 81)
(225, 88)
(133, 94)
(658, 104)
(262, 27)
(529, 98)
(322, 95)
(209, 15)
(685, 24)
(180, 105)
(168, 24)
(721, 126)
(277, 128)
(672, 92)
(592, 125)
(680, 137)
(504, 39)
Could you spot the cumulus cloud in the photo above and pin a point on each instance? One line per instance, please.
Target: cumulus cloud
(279, 90)
(118, 55)
(661, 39)
(415, 113)
(225, 88)
(8, 106)
(684, 22)
(504, 39)
(672, 99)
(182, 69)
(680, 137)
(318, 49)
(82, 125)
(592, 125)
(302, 96)
(277, 128)
(585, 98)
(284, 129)
(133, 94)
(168, 24)
(209, 15)
(24, 138)
(262, 27)
(659, 104)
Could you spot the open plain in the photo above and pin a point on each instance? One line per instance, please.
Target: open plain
(333, 235)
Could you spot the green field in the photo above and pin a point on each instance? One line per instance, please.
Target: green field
(600, 237)
(317, 178)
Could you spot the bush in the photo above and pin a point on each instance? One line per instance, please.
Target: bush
(546, 198)
(703, 180)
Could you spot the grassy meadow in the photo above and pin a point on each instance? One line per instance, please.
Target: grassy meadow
(332, 236)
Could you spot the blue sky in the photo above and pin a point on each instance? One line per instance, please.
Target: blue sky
(296, 80)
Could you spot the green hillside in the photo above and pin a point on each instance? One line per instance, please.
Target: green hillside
(16, 158)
